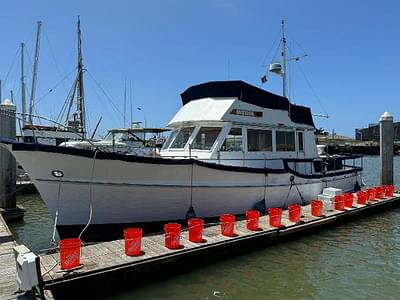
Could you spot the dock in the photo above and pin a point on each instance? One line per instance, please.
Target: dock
(106, 263)
(8, 284)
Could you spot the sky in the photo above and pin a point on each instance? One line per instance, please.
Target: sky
(161, 47)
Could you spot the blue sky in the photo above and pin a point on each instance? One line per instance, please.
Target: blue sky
(163, 47)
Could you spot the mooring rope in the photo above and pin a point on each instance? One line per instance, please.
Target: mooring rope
(90, 196)
(53, 237)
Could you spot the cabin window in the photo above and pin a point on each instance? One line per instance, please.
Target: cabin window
(60, 140)
(169, 140)
(233, 141)
(29, 139)
(259, 140)
(205, 138)
(300, 141)
(182, 137)
(285, 141)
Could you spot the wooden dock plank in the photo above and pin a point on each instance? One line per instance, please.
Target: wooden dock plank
(108, 256)
(8, 284)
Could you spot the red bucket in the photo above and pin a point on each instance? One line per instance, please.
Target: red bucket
(252, 219)
(70, 253)
(380, 192)
(348, 200)
(133, 241)
(294, 212)
(371, 194)
(275, 216)
(196, 230)
(362, 197)
(389, 190)
(317, 208)
(339, 202)
(227, 224)
(172, 235)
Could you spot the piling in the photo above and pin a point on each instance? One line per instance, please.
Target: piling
(386, 148)
(8, 205)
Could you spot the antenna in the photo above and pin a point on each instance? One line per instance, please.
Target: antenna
(130, 100)
(125, 104)
(280, 68)
(284, 78)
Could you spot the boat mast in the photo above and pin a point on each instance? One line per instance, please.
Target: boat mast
(23, 86)
(80, 90)
(284, 78)
(34, 71)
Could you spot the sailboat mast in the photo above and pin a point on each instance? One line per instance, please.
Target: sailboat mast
(284, 77)
(80, 90)
(34, 71)
(23, 86)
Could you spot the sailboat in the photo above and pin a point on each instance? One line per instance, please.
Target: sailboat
(233, 147)
(74, 127)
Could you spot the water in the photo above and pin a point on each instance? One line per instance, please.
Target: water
(356, 260)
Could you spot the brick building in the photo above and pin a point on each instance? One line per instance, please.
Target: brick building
(371, 133)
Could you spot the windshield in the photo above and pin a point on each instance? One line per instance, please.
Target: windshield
(121, 137)
(206, 137)
(182, 137)
(170, 139)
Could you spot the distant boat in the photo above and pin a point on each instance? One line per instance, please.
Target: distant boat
(74, 127)
(136, 140)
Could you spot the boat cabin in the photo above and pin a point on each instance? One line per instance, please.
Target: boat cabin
(235, 123)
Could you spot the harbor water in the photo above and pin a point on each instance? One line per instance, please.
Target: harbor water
(356, 260)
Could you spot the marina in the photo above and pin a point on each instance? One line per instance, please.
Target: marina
(107, 262)
(236, 187)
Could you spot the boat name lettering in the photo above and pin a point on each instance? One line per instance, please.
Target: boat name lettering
(247, 113)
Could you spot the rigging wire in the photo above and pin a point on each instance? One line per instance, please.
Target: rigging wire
(312, 89)
(270, 50)
(52, 52)
(55, 86)
(12, 64)
(105, 94)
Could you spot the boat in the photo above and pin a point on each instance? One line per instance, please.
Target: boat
(74, 124)
(136, 140)
(233, 147)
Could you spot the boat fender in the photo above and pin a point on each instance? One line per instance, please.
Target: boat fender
(260, 206)
(190, 213)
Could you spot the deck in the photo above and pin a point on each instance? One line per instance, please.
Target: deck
(8, 284)
(102, 261)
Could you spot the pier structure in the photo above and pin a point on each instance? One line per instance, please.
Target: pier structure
(8, 204)
(105, 264)
(386, 148)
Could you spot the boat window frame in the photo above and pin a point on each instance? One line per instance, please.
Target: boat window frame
(170, 139)
(300, 149)
(189, 139)
(226, 135)
(260, 129)
(294, 140)
(197, 131)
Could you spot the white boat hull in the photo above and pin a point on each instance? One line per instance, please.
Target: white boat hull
(125, 192)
